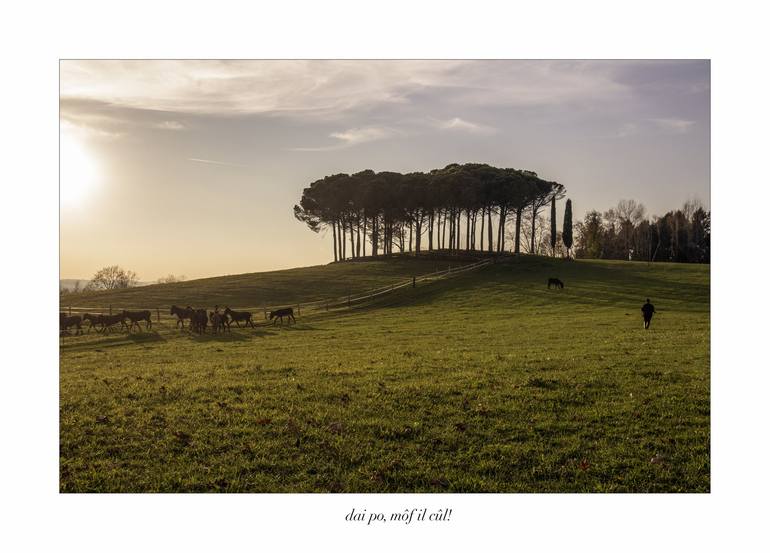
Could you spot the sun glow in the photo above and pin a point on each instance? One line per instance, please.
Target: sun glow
(78, 171)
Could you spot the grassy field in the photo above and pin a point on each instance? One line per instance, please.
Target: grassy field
(488, 382)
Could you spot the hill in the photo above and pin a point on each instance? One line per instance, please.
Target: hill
(274, 287)
(488, 382)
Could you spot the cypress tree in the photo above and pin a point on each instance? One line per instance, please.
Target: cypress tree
(553, 225)
(566, 233)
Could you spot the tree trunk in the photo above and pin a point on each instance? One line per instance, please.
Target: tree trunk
(517, 246)
(352, 242)
(334, 239)
(358, 235)
(532, 235)
(481, 242)
(489, 229)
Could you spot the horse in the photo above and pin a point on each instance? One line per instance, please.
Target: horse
(66, 321)
(555, 282)
(281, 313)
(93, 320)
(237, 316)
(136, 316)
(199, 321)
(218, 321)
(182, 314)
(108, 321)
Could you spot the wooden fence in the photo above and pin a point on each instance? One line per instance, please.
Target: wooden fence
(323, 305)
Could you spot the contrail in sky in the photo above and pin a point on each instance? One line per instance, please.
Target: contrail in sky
(212, 162)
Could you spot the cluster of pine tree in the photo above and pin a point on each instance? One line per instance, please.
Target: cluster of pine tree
(459, 207)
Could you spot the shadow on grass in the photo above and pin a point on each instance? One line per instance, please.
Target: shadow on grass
(229, 336)
(113, 341)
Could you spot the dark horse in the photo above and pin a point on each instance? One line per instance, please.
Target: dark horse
(237, 316)
(199, 321)
(93, 320)
(218, 321)
(65, 322)
(136, 316)
(182, 314)
(281, 313)
(555, 282)
(108, 321)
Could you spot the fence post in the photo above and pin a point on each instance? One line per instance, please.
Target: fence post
(157, 311)
(110, 310)
(414, 282)
(348, 300)
(264, 309)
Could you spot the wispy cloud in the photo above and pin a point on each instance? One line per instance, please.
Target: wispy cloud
(626, 129)
(458, 124)
(170, 126)
(673, 125)
(328, 88)
(352, 137)
(214, 162)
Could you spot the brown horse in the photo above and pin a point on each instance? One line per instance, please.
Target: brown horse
(555, 282)
(182, 314)
(281, 313)
(218, 321)
(199, 321)
(93, 320)
(65, 322)
(136, 316)
(108, 321)
(237, 316)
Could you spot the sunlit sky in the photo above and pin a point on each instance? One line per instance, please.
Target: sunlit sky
(193, 167)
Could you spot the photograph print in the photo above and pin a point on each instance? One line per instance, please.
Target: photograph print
(384, 276)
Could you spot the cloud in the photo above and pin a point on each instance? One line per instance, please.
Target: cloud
(627, 129)
(457, 124)
(328, 88)
(170, 126)
(353, 137)
(678, 126)
(213, 162)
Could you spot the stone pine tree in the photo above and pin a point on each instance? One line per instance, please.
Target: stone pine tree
(566, 233)
(553, 226)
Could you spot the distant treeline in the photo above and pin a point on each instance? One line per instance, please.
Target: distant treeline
(624, 232)
(459, 207)
(477, 207)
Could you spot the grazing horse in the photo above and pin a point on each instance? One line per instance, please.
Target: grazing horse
(108, 321)
(199, 321)
(218, 321)
(65, 322)
(182, 314)
(281, 313)
(238, 316)
(136, 316)
(555, 282)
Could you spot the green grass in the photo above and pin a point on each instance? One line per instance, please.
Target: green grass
(487, 382)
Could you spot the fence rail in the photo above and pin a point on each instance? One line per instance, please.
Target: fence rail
(322, 305)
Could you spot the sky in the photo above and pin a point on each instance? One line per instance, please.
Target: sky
(193, 167)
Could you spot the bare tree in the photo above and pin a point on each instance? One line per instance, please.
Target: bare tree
(112, 278)
(171, 279)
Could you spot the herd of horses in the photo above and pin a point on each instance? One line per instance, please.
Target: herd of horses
(220, 321)
(199, 320)
(105, 323)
